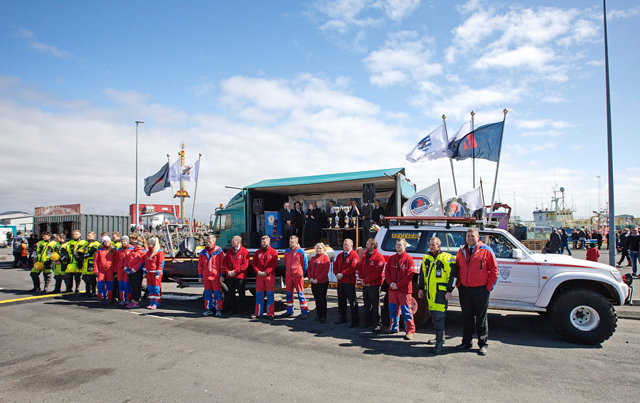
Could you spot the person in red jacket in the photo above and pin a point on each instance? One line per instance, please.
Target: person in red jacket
(398, 274)
(104, 263)
(135, 268)
(153, 265)
(124, 287)
(344, 267)
(370, 272)
(593, 254)
(210, 264)
(295, 265)
(264, 264)
(477, 274)
(318, 274)
(235, 266)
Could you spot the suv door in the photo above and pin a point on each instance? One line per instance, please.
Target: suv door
(518, 279)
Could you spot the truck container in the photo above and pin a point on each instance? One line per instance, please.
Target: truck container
(83, 222)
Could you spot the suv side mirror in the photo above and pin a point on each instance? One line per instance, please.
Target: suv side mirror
(516, 254)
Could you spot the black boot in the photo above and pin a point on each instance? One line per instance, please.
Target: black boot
(439, 342)
(35, 277)
(47, 281)
(435, 340)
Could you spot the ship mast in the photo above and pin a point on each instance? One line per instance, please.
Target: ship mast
(181, 153)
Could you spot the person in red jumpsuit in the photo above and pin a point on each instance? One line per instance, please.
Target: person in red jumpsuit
(104, 264)
(318, 273)
(295, 264)
(124, 287)
(134, 267)
(235, 267)
(210, 263)
(153, 265)
(398, 274)
(344, 267)
(264, 264)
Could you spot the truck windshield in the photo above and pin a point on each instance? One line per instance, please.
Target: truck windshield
(223, 222)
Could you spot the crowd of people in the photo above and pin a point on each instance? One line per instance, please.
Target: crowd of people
(308, 224)
(114, 268)
(111, 269)
(473, 270)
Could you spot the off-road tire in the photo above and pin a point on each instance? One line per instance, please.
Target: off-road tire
(561, 316)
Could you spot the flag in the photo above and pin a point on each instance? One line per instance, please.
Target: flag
(424, 203)
(189, 172)
(174, 172)
(158, 181)
(186, 173)
(483, 142)
(433, 146)
(464, 129)
(463, 205)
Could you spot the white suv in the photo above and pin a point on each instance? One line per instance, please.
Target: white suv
(578, 295)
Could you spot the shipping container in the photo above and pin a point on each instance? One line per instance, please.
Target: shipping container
(84, 222)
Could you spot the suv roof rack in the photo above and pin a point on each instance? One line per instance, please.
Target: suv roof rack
(416, 221)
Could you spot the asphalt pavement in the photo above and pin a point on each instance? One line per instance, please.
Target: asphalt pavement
(68, 348)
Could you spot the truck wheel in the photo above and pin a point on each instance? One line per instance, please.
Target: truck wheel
(419, 309)
(583, 316)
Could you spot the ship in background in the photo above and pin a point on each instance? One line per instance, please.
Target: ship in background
(558, 215)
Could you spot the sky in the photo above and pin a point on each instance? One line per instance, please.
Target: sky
(275, 89)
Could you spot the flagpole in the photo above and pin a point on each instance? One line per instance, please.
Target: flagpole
(482, 191)
(441, 201)
(195, 192)
(495, 182)
(182, 183)
(446, 135)
(173, 204)
(473, 148)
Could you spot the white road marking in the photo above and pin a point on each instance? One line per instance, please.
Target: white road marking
(149, 315)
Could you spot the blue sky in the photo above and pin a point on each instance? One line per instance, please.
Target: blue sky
(268, 89)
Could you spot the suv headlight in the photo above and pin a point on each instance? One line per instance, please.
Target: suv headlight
(616, 274)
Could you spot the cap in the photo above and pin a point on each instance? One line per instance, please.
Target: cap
(124, 238)
(106, 238)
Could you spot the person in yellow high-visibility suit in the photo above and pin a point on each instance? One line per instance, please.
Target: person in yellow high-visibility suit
(75, 250)
(44, 248)
(436, 281)
(88, 274)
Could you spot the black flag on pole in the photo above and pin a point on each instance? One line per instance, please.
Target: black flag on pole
(159, 181)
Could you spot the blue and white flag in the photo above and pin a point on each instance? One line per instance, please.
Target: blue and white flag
(425, 203)
(433, 146)
(483, 143)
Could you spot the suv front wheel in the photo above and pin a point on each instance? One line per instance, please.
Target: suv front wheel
(583, 316)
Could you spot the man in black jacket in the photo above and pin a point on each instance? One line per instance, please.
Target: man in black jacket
(298, 221)
(378, 213)
(623, 248)
(633, 246)
(287, 215)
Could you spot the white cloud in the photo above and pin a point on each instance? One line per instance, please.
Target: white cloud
(540, 123)
(40, 46)
(403, 58)
(614, 14)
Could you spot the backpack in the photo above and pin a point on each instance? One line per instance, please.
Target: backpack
(17, 245)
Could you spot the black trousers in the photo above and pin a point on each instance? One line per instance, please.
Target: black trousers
(437, 318)
(332, 238)
(474, 302)
(287, 234)
(136, 285)
(348, 292)
(320, 296)
(624, 254)
(16, 259)
(90, 283)
(371, 298)
(68, 280)
(236, 284)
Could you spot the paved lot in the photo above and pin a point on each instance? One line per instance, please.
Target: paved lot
(71, 349)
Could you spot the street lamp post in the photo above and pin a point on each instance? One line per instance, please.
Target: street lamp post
(612, 216)
(137, 209)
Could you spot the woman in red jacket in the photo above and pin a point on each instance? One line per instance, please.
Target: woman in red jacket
(153, 265)
(104, 264)
(134, 268)
(318, 273)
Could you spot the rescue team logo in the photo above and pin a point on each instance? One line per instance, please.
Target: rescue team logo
(419, 204)
(504, 273)
(455, 208)
(271, 219)
(425, 143)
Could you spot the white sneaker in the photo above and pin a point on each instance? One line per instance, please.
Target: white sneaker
(208, 312)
